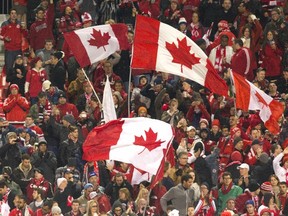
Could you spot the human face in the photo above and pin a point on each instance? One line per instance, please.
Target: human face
(225, 132)
(272, 87)
(269, 36)
(246, 33)
(192, 174)
(231, 204)
(38, 64)
(204, 190)
(286, 165)
(118, 211)
(241, 8)
(88, 89)
(118, 87)
(21, 203)
(122, 196)
(183, 160)
(195, 18)
(19, 61)
(38, 175)
(13, 15)
(250, 209)
(80, 75)
(40, 15)
(45, 210)
(42, 147)
(42, 101)
(75, 207)
(233, 120)
(275, 16)
(94, 207)
(283, 188)
(224, 41)
(68, 10)
(29, 121)
(26, 163)
(239, 145)
(143, 81)
(48, 45)
(62, 100)
(35, 194)
(186, 86)
(119, 180)
(108, 68)
(130, 37)
(243, 171)
(14, 91)
(54, 60)
(190, 211)
(226, 5)
(188, 184)
(173, 6)
(273, 181)
(75, 133)
(94, 180)
(227, 180)
(3, 190)
(261, 75)
(191, 133)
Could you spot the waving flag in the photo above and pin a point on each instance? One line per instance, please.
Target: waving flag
(92, 44)
(249, 97)
(138, 141)
(158, 46)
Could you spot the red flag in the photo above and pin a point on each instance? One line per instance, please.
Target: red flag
(158, 46)
(138, 141)
(249, 97)
(96, 43)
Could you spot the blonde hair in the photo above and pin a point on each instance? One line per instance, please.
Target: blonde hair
(141, 195)
(89, 207)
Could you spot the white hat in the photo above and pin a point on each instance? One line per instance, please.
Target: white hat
(93, 194)
(60, 180)
(56, 209)
(46, 85)
(86, 17)
(190, 128)
(182, 20)
(244, 166)
(174, 212)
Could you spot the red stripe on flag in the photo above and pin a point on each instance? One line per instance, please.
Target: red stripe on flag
(145, 46)
(213, 82)
(277, 110)
(120, 32)
(77, 48)
(243, 96)
(99, 141)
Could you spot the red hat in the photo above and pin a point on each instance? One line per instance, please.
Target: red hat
(34, 61)
(86, 17)
(265, 210)
(236, 156)
(223, 24)
(216, 122)
(234, 130)
(266, 186)
(285, 158)
(146, 12)
(14, 86)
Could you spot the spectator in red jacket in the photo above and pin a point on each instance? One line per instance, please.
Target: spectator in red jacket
(21, 207)
(15, 106)
(65, 107)
(242, 61)
(11, 32)
(41, 29)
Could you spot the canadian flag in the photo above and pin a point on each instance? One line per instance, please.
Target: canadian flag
(158, 46)
(96, 43)
(139, 176)
(249, 97)
(141, 142)
(108, 104)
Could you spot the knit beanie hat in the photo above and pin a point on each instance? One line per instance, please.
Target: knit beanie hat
(216, 122)
(223, 24)
(266, 186)
(14, 86)
(236, 156)
(55, 210)
(253, 186)
(60, 180)
(69, 118)
(86, 17)
(59, 54)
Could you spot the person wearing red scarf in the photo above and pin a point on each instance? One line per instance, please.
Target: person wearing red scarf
(22, 208)
(227, 191)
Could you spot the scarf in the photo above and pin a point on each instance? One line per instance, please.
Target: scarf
(39, 181)
(226, 190)
(220, 54)
(5, 197)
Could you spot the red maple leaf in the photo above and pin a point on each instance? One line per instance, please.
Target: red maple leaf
(261, 99)
(98, 39)
(181, 54)
(151, 141)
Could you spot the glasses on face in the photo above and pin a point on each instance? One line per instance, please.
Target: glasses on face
(117, 210)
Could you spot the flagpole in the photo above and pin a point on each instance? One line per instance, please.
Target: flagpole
(92, 87)
(233, 91)
(129, 92)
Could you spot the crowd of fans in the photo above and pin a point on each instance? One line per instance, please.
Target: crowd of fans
(225, 161)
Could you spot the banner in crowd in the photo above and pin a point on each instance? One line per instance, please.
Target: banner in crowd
(109, 111)
(249, 97)
(158, 46)
(92, 44)
(142, 142)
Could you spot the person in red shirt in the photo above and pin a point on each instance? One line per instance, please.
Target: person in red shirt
(65, 107)
(21, 207)
(11, 32)
(15, 106)
(283, 195)
(34, 79)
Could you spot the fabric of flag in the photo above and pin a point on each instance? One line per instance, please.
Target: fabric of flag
(138, 141)
(249, 97)
(108, 103)
(92, 44)
(158, 46)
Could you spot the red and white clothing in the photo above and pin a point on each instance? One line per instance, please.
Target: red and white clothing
(35, 129)
(101, 80)
(15, 107)
(243, 64)
(34, 80)
(25, 212)
(280, 171)
(205, 210)
(68, 108)
(43, 185)
(197, 31)
(217, 55)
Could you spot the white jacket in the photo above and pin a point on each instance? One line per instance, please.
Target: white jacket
(280, 172)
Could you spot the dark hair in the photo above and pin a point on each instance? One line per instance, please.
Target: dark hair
(42, 95)
(119, 81)
(198, 146)
(283, 183)
(25, 157)
(239, 42)
(48, 203)
(75, 201)
(23, 197)
(226, 174)
(40, 192)
(40, 9)
(185, 177)
(273, 148)
(131, 32)
(224, 36)
(266, 198)
(181, 153)
(3, 184)
(72, 128)
(12, 9)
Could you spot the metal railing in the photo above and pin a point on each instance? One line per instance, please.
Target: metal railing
(5, 6)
